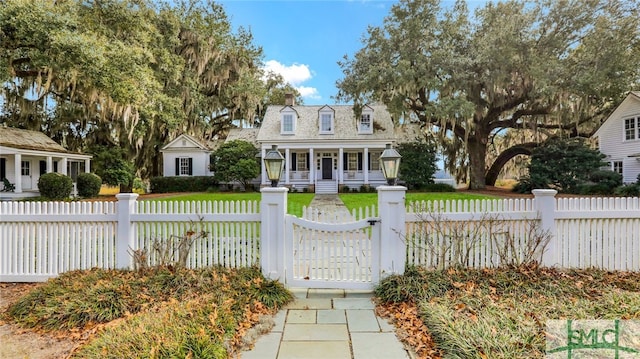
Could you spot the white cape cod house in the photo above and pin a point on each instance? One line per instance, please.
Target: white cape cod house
(327, 147)
(26, 155)
(619, 138)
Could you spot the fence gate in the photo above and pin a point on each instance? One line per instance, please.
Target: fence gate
(332, 255)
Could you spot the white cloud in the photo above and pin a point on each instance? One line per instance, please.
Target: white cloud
(295, 74)
(309, 92)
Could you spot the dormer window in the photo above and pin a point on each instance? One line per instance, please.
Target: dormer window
(326, 117)
(288, 122)
(365, 125)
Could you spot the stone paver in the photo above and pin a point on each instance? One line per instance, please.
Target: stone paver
(377, 346)
(315, 350)
(301, 316)
(333, 324)
(362, 321)
(316, 332)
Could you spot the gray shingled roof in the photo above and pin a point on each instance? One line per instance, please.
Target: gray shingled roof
(245, 134)
(307, 127)
(28, 140)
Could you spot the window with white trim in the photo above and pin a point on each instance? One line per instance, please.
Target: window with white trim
(616, 166)
(352, 161)
(365, 124)
(25, 168)
(374, 162)
(287, 123)
(301, 160)
(184, 166)
(326, 123)
(632, 128)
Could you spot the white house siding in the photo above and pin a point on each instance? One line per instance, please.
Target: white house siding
(200, 162)
(188, 148)
(614, 146)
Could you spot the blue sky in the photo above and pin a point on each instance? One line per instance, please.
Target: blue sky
(304, 40)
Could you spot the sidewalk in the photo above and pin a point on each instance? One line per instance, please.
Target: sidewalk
(329, 324)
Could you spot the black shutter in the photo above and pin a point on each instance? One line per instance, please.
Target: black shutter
(43, 167)
(294, 164)
(359, 161)
(308, 163)
(177, 167)
(345, 161)
(55, 166)
(190, 166)
(3, 168)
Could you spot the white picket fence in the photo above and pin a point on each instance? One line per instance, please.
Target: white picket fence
(39, 240)
(584, 233)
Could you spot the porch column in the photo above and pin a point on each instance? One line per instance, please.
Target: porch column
(17, 169)
(49, 164)
(287, 165)
(87, 165)
(312, 166)
(62, 168)
(263, 170)
(365, 165)
(340, 165)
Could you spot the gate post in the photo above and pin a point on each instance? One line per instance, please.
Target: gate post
(126, 237)
(545, 202)
(273, 207)
(393, 247)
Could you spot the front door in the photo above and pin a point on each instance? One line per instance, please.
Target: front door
(327, 168)
(25, 170)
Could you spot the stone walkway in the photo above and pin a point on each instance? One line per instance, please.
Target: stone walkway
(329, 324)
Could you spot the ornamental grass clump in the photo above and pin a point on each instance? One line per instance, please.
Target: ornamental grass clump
(158, 312)
(501, 312)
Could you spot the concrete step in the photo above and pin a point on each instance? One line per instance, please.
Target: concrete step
(323, 187)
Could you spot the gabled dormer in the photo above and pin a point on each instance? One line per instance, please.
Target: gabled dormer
(326, 120)
(365, 122)
(288, 120)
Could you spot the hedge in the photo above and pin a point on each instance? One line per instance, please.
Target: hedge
(182, 184)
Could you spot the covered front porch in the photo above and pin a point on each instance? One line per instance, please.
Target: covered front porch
(324, 169)
(20, 170)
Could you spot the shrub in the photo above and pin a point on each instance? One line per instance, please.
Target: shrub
(89, 185)
(139, 186)
(182, 184)
(55, 186)
(606, 178)
(437, 187)
(418, 163)
(344, 189)
(562, 164)
(630, 190)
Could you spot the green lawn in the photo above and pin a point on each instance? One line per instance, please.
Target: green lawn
(298, 200)
(295, 201)
(359, 200)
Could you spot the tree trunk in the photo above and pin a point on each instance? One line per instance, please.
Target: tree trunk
(477, 149)
(506, 156)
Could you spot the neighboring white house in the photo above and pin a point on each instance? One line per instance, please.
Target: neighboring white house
(619, 138)
(185, 156)
(26, 155)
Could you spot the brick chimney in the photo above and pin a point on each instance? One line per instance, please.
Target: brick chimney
(289, 100)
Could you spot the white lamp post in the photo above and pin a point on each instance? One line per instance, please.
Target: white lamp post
(390, 164)
(274, 162)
